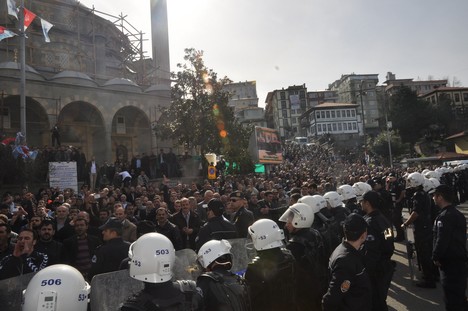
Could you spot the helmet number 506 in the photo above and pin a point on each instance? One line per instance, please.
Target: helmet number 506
(51, 282)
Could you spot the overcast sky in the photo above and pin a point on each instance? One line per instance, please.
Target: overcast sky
(279, 43)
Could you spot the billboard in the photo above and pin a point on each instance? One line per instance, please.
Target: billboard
(266, 146)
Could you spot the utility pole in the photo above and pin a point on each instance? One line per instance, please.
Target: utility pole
(22, 70)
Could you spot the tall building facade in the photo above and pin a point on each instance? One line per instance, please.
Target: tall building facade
(92, 79)
(360, 89)
(286, 107)
(421, 87)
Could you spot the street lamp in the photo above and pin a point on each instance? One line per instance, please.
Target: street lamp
(388, 125)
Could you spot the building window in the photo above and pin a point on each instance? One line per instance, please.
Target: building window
(6, 118)
(349, 126)
(465, 97)
(317, 114)
(457, 97)
(329, 128)
(303, 105)
(333, 114)
(319, 127)
(334, 127)
(301, 94)
(328, 114)
(283, 104)
(120, 127)
(353, 113)
(345, 127)
(338, 113)
(282, 95)
(285, 113)
(322, 113)
(348, 113)
(354, 126)
(340, 127)
(294, 120)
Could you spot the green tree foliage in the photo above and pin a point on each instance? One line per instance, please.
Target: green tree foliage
(199, 115)
(410, 116)
(379, 145)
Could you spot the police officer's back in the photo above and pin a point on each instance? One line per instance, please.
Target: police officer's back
(152, 259)
(307, 247)
(378, 249)
(349, 287)
(271, 274)
(217, 227)
(108, 256)
(222, 290)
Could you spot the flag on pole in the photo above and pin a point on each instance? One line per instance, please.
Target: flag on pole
(28, 18)
(12, 8)
(45, 29)
(5, 33)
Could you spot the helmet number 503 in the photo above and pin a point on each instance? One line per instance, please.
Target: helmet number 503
(162, 252)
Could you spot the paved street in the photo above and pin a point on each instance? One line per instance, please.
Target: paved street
(403, 294)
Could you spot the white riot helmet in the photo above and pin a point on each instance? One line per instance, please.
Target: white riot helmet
(212, 250)
(300, 214)
(424, 172)
(435, 181)
(432, 174)
(346, 191)
(315, 202)
(57, 287)
(360, 188)
(152, 258)
(428, 185)
(414, 180)
(266, 234)
(333, 198)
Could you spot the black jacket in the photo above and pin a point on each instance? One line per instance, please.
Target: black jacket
(243, 218)
(70, 248)
(449, 237)
(216, 228)
(349, 288)
(109, 256)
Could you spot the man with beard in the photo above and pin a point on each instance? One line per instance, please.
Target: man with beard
(46, 243)
(24, 258)
(80, 248)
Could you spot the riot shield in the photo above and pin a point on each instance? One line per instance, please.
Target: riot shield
(11, 291)
(410, 249)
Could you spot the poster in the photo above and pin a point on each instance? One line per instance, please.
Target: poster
(63, 175)
(268, 146)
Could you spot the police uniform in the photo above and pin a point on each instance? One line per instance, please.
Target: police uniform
(271, 277)
(178, 295)
(350, 287)
(217, 227)
(223, 290)
(378, 250)
(450, 251)
(308, 248)
(243, 218)
(421, 204)
(109, 256)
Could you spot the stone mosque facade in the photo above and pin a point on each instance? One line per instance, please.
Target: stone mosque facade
(93, 80)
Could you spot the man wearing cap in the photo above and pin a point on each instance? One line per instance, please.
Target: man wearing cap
(108, 257)
(378, 249)
(217, 227)
(449, 251)
(397, 192)
(243, 218)
(349, 287)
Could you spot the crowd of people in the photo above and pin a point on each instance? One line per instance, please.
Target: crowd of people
(323, 226)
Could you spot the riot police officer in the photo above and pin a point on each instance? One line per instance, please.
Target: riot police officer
(152, 259)
(422, 219)
(378, 249)
(270, 275)
(222, 290)
(307, 246)
(349, 287)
